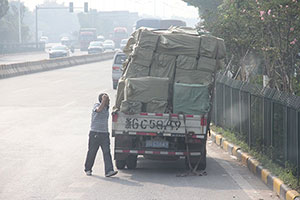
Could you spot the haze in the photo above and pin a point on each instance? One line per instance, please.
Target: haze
(156, 8)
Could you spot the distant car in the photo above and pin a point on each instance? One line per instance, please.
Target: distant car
(95, 47)
(59, 51)
(109, 44)
(123, 43)
(100, 38)
(44, 39)
(117, 66)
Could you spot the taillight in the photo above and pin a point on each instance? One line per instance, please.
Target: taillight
(203, 121)
(116, 68)
(115, 117)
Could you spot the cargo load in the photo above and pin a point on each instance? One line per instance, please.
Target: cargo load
(164, 97)
(179, 54)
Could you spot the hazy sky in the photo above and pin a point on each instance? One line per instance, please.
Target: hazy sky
(160, 8)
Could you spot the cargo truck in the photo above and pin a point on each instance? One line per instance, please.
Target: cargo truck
(164, 98)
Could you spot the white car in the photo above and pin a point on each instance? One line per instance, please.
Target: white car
(123, 43)
(117, 66)
(109, 44)
(59, 51)
(44, 39)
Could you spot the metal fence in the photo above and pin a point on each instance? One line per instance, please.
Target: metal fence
(21, 47)
(266, 119)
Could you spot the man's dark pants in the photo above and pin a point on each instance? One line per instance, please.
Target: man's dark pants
(95, 140)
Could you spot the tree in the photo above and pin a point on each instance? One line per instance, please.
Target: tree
(9, 24)
(207, 8)
(3, 7)
(260, 33)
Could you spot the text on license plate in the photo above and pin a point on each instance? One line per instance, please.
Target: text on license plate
(135, 123)
(157, 144)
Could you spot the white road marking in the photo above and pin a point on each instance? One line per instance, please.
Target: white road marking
(58, 81)
(82, 184)
(68, 104)
(69, 195)
(20, 90)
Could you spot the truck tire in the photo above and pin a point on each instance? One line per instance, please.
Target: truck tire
(131, 161)
(115, 85)
(120, 164)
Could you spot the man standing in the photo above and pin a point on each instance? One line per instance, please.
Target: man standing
(99, 136)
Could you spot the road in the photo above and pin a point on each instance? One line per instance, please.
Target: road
(44, 124)
(31, 56)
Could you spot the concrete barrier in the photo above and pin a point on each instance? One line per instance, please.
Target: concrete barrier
(18, 69)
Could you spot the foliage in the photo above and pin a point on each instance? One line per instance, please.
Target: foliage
(260, 33)
(207, 8)
(9, 24)
(3, 7)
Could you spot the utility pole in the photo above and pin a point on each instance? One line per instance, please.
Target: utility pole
(20, 25)
(36, 27)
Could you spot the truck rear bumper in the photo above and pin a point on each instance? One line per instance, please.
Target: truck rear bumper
(126, 133)
(156, 152)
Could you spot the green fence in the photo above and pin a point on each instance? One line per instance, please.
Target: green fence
(266, 119)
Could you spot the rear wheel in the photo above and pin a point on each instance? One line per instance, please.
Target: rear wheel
(131, 161)
(115, 84)
(120, 164)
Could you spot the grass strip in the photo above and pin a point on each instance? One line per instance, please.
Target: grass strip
(283, 173)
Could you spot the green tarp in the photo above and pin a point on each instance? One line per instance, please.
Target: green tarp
(146, 89)
(191, 99)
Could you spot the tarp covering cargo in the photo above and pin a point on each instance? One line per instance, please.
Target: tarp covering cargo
(155, 106)
(160, 60)
(131, 107)
(146, 89)
(191, 99)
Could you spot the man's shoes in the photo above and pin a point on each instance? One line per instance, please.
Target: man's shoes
(88, 173)
(111, 173)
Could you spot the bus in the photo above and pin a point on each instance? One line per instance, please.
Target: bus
(119, 34)
(148, 23)
(86, 35)
(167, 23)
(158, 23)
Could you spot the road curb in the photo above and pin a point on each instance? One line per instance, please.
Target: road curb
(255, 167)
(18, 69)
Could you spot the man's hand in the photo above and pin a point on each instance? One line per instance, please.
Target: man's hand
(105, 99)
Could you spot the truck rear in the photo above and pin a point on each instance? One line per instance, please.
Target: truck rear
(164, 97)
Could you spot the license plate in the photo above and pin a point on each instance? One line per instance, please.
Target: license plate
(154, 124)
(157, 144)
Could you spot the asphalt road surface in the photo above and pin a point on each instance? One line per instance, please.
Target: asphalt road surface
(44, 124)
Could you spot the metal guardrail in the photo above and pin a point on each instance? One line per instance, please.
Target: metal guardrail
(266, 119)
(6, 48)
(17, 69)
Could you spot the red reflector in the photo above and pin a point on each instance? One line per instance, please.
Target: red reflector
(156, 152)
(143, 113)
(189, 115)
(115, 117)
(171, 153)
(159, 114)
(126, 151)
(203, 121)
(116, 68)
(141, 152)
(174, 115)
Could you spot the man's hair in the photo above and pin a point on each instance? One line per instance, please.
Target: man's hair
(100, 98)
